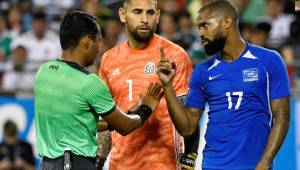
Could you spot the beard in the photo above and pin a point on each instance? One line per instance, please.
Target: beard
(215, 46)
(141, 37)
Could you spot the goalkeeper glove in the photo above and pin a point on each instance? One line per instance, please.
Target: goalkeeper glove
(187, 161)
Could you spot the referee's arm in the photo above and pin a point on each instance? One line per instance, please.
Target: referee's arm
(125, 123)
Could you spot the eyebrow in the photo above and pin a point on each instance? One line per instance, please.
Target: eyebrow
(140, 9)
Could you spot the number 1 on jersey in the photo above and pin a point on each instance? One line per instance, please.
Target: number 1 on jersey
(239, 101)
(129, 89)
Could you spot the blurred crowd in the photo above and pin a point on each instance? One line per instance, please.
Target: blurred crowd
(29, 33)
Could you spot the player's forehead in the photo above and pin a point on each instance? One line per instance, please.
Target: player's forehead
(207, 16)
(142, 4)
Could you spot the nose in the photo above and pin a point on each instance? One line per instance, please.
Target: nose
(201, 32)
(144, 18)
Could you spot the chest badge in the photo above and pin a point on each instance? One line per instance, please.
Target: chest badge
(149, 68)
(250, 75)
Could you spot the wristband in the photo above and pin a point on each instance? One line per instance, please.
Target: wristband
(143, 111)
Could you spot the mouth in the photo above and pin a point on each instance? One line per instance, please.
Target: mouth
(144, 29)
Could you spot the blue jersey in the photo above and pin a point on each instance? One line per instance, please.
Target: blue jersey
(238, 94)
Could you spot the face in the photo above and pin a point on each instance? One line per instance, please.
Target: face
(93, 49)
(141, 18)
(274, 7)
(167, 25)
(19, 58)
(39, 27)
(297, 5)
(212, 32)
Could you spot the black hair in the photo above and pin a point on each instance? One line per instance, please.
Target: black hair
(10, 128)
(222, 6)
(39, 16)
(74, 26)
(263, 26)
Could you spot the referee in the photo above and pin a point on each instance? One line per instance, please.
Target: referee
(68, 100)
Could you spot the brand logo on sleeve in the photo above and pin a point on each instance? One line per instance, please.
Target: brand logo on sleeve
(149, 68)
(250, 75)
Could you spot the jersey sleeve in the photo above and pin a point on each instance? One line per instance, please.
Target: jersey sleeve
(279, 86)
(195, 98)
(98, 95)
(183, 73)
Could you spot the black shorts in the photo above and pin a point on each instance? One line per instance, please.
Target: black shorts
(78, 163)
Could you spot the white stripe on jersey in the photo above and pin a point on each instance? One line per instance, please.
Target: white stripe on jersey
(268, 96)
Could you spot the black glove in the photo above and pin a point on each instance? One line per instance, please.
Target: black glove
(187, 161)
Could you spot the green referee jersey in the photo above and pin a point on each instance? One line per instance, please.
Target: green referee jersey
(68, 101)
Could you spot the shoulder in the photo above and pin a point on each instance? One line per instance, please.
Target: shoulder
(48, 63)
(264, 54)
(25, 144)
(206, 64)
(52, 35)
(92, 79)
(202, 68)
(115, 50)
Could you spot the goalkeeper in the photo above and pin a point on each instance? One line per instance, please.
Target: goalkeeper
(68, 100)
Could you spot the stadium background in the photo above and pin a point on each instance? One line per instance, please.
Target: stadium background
(33, 24)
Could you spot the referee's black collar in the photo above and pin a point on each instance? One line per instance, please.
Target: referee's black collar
(74, 65)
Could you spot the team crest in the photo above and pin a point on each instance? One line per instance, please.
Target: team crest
(250, 75)
(149, 68)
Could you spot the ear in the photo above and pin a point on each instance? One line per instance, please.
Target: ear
(85, 41)
(122, 15)
(158, 16)
(228, 23)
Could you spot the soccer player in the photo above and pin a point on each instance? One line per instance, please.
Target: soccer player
(68, 100)
(246, 88)
(127, 69)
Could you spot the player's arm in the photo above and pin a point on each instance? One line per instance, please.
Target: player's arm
(185, 120)
(125, 123)
(279, 92)
(281, 113)
(191, 143)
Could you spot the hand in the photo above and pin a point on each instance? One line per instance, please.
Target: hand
(153, 96)
(262, 166)
(187, 161)
(166, 69)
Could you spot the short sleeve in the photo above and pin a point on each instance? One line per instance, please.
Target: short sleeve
(183, 73)
(98, 95)
(195, 97)
(279, 86)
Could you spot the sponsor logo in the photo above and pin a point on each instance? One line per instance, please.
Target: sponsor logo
(250, 75)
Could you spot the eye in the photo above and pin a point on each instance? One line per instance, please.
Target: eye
(151, 12)
(137, 11)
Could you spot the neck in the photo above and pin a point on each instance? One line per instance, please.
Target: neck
(11, 140)
(39, 36)
(134, 44)
(233, 48)
(73, 56)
